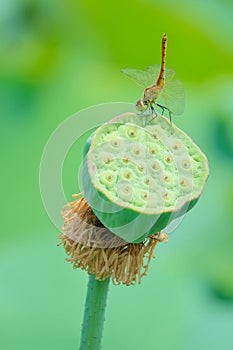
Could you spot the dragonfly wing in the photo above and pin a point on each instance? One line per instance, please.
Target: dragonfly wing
(155, 71)
(169, 74)
(141, 77)
(173, 96)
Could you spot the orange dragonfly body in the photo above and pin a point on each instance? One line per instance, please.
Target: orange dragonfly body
(159, 85)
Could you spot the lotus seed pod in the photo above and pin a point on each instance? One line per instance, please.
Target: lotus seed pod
(139, 174)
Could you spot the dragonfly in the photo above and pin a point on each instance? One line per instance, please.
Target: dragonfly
(159, 86)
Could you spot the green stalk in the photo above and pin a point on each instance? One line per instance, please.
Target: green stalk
(93, 320)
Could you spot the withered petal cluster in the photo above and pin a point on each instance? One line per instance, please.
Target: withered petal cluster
(95, 249)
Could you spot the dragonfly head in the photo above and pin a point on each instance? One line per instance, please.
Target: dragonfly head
(141, 106)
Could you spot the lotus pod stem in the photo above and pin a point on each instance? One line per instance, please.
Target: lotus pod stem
(93, 321)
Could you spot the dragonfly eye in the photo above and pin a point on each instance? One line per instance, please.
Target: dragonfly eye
(140, 106)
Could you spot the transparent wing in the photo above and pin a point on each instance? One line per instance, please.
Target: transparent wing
(169, 74)
(141, 77)
(155, 70)
(173, 96)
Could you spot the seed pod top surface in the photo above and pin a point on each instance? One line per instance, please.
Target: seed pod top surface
(150, 168)
(144, 166)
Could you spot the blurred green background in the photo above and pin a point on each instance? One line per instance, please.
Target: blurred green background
(58, 57)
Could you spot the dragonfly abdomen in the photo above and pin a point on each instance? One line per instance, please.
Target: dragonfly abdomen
(160, 81)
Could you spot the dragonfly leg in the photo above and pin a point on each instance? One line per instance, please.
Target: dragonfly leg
(170, 116)
(162, 107)
(154, 113)
(167, 109)
(152, 110)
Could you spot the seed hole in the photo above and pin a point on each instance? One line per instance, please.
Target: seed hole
(153, 151)
(186, 164)
(115, 143)
(155, 166)
(155, 135)
(128, 175)
(140, 167)
(168, 159)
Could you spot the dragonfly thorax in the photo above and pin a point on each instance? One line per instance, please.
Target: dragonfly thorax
(152, 93)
